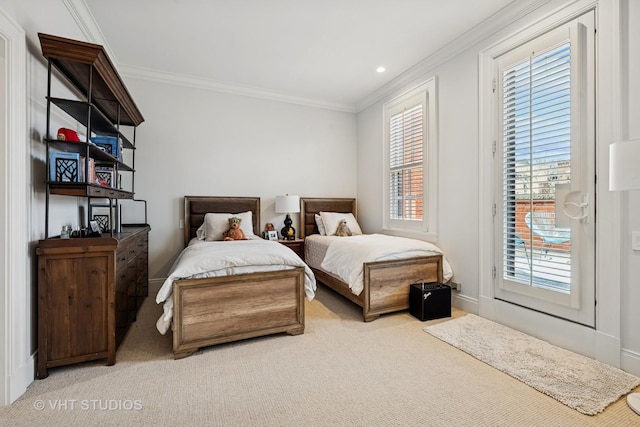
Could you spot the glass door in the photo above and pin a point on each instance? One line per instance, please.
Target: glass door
(545, 174)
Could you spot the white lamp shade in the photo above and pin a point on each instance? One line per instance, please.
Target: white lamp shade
(287, 204)
(624, 165)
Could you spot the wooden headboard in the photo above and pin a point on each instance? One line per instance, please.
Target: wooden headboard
(311, 206)
(195, 207)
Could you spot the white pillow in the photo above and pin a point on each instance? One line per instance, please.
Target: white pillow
(217, 223)
(331, 220)
(320, 225)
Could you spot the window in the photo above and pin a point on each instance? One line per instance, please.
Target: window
(410, 160)
(406, 142)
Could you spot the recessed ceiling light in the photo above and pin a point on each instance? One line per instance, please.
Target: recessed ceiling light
(381, 69)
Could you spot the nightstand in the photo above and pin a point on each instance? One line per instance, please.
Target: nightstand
(296, 246)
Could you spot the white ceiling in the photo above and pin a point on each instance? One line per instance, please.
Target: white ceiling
(316, 52)
(325, 51)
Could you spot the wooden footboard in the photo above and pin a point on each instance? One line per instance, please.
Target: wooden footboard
(386, 283)
(223, 309)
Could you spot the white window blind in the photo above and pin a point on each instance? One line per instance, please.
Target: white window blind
(411, 162)
(536, 116)
(406, 172)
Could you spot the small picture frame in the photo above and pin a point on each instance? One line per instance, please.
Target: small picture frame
(94, 227)
(272, 235)
(105, 177)
(104, 216)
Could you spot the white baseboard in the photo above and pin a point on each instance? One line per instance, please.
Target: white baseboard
(571, 336)
(155, 285)
(630, 362)
(607, 349)
(465, 303)
(21, 378)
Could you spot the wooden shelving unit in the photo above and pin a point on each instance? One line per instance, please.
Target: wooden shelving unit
(104, 106)
(89, 289)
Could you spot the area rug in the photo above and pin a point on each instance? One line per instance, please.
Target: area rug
(579, 382)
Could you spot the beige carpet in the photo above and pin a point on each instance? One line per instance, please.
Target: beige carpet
(579, 382)
(340, 372)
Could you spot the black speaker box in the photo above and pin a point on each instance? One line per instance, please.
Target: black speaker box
(429, 301)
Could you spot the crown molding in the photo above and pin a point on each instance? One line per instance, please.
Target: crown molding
(216, 86)
(504, 17)
(86, 22)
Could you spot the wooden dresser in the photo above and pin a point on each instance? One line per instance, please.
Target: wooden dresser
(89, 292)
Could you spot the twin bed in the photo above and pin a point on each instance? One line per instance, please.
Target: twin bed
(256, 287)
(382, 286)
(241, 298)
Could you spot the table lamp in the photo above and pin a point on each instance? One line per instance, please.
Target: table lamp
(288, 204)
(624, 174)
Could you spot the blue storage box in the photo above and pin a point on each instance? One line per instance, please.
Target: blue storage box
(64, 167)
(110, 144)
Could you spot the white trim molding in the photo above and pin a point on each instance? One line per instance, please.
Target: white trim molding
(216, 86)
(630, 362)
(17, 368)
(426, 93)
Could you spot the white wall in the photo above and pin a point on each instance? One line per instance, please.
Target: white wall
(459, 174)
(457, 163)
(199, 142)
(631, 201)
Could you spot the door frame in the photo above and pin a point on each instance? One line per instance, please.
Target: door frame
(602, 343)
(17, 362)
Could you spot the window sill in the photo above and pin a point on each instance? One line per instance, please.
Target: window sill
(411, 234)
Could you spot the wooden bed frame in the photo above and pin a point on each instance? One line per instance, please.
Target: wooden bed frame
(217, 310)
(386, 283)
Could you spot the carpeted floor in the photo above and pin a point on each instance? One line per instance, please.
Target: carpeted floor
(340, 372)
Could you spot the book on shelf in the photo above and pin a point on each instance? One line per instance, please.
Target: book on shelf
(89, 177)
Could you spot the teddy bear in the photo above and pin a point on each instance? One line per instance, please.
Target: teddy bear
(234, 232)
(343, 229)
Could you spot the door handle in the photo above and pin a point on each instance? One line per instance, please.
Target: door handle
(570, 205)
(582, 208)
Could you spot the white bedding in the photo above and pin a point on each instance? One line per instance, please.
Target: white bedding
(219, 258)
(344, 256)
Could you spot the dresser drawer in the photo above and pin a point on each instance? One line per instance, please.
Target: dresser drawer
(126, 253)
(132, 265)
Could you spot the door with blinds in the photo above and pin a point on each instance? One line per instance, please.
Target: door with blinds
(544, 159)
